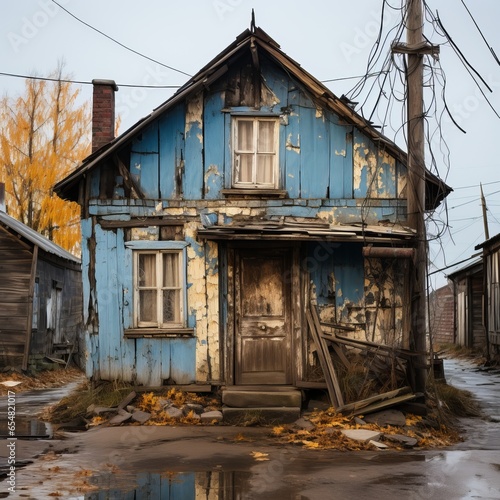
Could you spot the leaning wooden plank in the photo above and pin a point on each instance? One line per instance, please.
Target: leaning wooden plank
(381, 405)
(374, 399)
(322, 361)
(398, 350)
(339, 326)
(339, 350)
(326, 353)
(329, 362)
(371, 346)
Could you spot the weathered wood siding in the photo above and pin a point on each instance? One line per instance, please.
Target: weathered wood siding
(492, 262)
(186, 155)
(181, 163)
(15, 271)
(442, 315)
(478, 332)
(58, 294)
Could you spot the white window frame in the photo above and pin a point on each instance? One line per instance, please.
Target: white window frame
(159, 248)
(253, 184)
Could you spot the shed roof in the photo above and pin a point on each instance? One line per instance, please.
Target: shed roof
(488, 243)
(436, 189)
(36, 238)
(474, 266)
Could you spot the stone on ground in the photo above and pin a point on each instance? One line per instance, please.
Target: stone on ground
(363, 435)
(386, 417)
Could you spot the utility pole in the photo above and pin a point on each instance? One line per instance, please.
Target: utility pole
(415, 48)
(485, 218)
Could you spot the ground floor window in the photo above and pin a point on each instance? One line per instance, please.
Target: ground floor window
(159, 279)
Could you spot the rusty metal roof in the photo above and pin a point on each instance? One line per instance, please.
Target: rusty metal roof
(35, 238)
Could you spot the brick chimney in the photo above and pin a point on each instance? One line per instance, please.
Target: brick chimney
(103, 113)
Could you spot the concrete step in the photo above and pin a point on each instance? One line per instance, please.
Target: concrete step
(260, 416)
(237, 398)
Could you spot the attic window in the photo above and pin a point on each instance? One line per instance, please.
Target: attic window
(255, 154)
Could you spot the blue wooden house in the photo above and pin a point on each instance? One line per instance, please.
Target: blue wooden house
(210, 225)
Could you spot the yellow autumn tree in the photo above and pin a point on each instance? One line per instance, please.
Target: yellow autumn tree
(45, 133)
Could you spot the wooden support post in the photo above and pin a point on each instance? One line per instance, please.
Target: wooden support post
(416, 184)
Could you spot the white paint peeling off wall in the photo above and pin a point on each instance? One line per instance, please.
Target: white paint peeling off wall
(203, 303)
(402, 181)
(211, 171)
(384, 312)
(389, 163)
(212, 298)
(196, 298)
(359, 163)
(291, 146)
(373, 169)
(194, 114)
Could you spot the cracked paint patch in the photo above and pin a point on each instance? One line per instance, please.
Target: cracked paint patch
(194, 114)
(211, 177)
(291, 146)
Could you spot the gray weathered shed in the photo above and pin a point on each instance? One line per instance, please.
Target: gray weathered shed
(40, 296)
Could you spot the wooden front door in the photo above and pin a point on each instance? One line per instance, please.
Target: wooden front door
(262, 316)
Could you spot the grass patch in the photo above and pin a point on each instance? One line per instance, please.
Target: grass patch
(74, 406)
(456, 402)
(459, 351)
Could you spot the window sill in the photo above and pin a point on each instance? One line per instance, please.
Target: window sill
(254, 193)
(138, 333)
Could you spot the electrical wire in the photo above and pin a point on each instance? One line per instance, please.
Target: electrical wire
(119, 43)
(83, 82)
(481, 33)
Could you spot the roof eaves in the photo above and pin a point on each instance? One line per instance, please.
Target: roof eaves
(489, 242)
(36, 238)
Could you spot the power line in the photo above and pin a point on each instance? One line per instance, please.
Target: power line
(119, 43)
(472, 201)
(376, 73)
(82, 82)
(481, 33)
(476, 185)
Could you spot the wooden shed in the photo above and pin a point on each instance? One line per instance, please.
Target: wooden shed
(468, 294)
(40, 297)
(491, 264)
(442, 315)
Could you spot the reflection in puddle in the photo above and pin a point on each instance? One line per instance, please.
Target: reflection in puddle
(27, 428)
(208, 485)
(408, 479)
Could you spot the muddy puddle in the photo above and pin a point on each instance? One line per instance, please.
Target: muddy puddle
(208, 485)
(26, 428)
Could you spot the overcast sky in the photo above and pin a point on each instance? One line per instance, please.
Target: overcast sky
(329, 38)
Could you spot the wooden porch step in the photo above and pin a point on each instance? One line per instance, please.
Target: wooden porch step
(263, 398)
(260, 416)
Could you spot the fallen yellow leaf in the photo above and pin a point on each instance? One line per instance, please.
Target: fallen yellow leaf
(260, 457)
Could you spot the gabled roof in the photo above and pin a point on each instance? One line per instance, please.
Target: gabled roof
(437, 189)
(35, 238)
